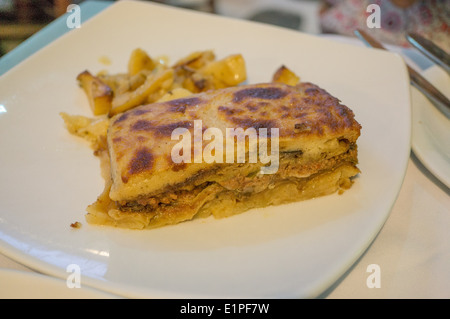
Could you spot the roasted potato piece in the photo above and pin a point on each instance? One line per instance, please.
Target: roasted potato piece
(226, 72)
(164, 87)
(186, 71)
(140, 60)
(114, 81)
(148, 80)
(98, 92)
(177, 93)
(131, 99)
(195, 60)
(131, 83)
(197, 82)
(286, 76)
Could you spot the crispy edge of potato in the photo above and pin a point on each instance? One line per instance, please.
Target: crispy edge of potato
(286, 76)
(99, 94)
(176, 93)
(226, 72)
(131, 99)
(195, 60)
(140, 60)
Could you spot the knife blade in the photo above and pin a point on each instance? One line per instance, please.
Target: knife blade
(431, 50)
(438, 99)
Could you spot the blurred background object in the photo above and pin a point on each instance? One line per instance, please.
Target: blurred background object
(429, 18)
(200, 5)
(19, 19)
(299, 15)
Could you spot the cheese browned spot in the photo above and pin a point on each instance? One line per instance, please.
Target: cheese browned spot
(140, 162)
(180, 105)
(271, 93)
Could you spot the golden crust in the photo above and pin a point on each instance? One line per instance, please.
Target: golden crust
(140, 144)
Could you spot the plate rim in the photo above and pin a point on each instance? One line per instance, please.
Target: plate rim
(417, 147)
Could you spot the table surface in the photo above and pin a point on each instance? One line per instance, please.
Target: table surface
(412, 250)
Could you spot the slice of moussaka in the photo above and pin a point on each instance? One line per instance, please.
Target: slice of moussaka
(224, 152)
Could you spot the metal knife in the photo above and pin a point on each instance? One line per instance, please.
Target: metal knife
(431, 50)
(429, 90)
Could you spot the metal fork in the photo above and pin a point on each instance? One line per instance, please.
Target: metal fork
(438, 99)
(430, 49)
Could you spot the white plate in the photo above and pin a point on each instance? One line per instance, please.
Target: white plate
(49, 177)
(27, 285)
(431, 128)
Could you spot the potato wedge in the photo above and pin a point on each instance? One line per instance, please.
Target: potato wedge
(195, 60)
(163, 88)
(131, 99)
(226, 72)
(139, 60)
(286, 76)
(114, 81)
(99, 94)
(197, 82)
(177, 93)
